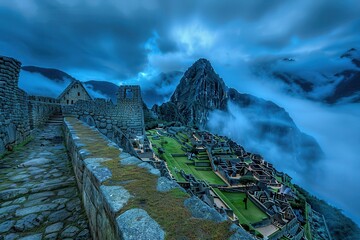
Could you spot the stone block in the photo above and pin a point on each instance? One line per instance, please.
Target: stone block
(199, 209)
(115, 196)
(136, 224)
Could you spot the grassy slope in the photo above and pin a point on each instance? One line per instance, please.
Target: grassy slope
(171, 146)
(235, 200)
(165, 208)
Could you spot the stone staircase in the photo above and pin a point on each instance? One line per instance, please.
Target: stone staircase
(56, 119)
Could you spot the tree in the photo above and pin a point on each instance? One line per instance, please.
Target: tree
(194, 150)
(245, 202)
(247, 180)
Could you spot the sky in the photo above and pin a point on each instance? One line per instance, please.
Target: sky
(117, 40)
(133, 41)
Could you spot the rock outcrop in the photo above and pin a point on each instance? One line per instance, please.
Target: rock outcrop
(200, 91)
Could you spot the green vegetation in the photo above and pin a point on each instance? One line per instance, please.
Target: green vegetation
(17, 147)
(307, 225)
(235, 200)
(340, 226)
(175, 219)
(175, 164)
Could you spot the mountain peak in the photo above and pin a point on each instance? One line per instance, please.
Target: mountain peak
(202, 64)
(200, 90)
(354, 55)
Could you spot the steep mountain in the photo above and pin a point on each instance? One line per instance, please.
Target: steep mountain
(201, 92)
(322, 84)
(106, 88)
(348, 89)
(354, 55)
(50, 73)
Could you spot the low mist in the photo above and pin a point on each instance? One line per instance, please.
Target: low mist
(38, 85)
(335, 127)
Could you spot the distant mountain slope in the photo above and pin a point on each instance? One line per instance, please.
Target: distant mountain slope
(320, 82)
(155, 91)
(106, 88)
(201, 93)
(50, 73)
(348, 88)
(354, 55)
(52, 82)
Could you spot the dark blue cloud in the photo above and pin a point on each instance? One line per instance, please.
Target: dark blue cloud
(110, 36)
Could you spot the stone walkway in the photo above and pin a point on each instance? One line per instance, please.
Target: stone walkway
(38, 194)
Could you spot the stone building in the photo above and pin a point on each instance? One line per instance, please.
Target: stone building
(74, 92)
(130, 113)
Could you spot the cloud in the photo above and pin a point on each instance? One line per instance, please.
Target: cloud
(38, 85)
(336, 129)
(109, 37)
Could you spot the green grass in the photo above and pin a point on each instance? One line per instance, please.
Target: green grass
(166, 208)
(307, 225)
(183, 135)
(279, 179)
(17, 147)
(175, 164)
(235, 201)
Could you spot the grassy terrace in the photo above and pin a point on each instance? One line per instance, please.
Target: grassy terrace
(175, 164)
(307, 225)
(235, 200)
(175, 219)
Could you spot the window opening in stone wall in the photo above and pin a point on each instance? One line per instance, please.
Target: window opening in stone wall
(72, 101)
(67, 101)
(78, 93)
(129, 93)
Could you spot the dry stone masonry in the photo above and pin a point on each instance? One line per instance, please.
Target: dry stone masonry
(19, 113)
(38, 194)
(121, 122)
(109, 200)
(130, 110)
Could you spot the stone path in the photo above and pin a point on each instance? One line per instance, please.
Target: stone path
(38, 194)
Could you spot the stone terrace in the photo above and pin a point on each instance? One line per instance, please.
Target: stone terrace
(126, 198)
(38, 194)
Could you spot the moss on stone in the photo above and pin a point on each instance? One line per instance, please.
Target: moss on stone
(17, 147)
(166, 208)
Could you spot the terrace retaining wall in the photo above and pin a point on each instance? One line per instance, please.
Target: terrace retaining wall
(103, 202)
(90, 176)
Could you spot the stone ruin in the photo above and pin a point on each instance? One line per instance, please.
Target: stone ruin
(19, 113)
(130, 110)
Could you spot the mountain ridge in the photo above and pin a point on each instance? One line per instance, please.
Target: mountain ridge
(201, 92)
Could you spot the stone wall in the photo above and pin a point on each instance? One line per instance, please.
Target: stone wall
(130, 113)
(101, 114)
(127, 115)
(40, 109)
(105, 195)
(14, 121)
(90, 176)
(19, 113)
